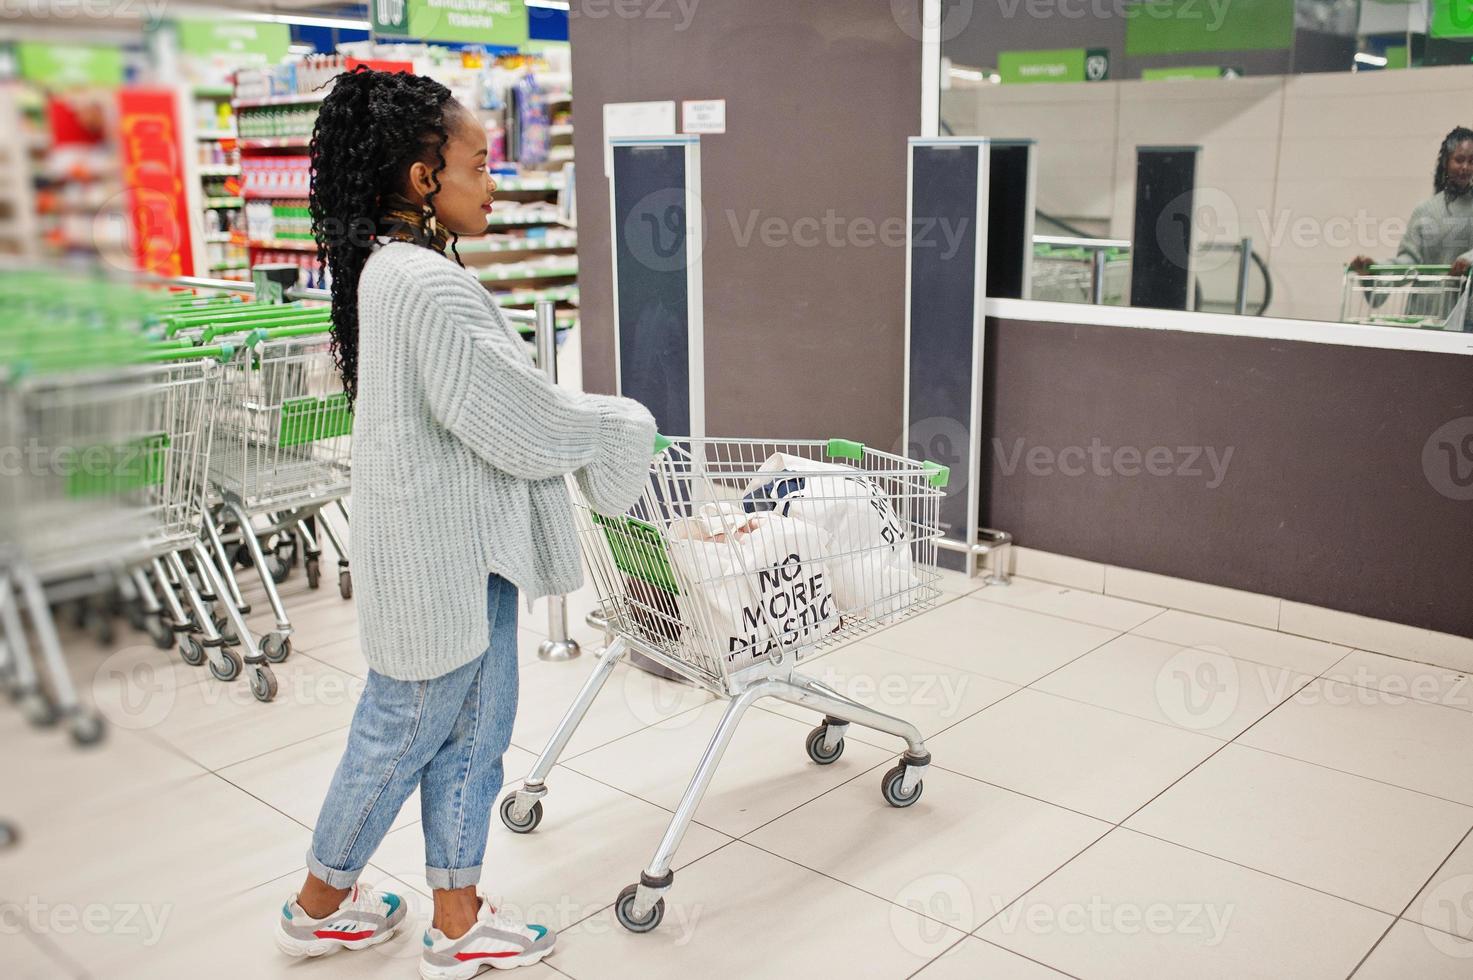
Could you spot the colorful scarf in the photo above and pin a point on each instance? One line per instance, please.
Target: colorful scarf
(403, 222)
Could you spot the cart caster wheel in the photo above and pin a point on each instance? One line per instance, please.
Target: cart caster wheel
(162, 634)
(136, 617)
(525, 825)
(815, 747)
(892, 783)
(9, 835)
(230, 670)
(86, 729)
(286, 552)
(191, 651)
(275, 647)
(106, 633)
(263, 684)
(37, 708)
(280, 570)
(314, 573)
(345, 584)
(625, 903)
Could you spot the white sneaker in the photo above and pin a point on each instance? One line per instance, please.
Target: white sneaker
(498, 940)
(366, 918)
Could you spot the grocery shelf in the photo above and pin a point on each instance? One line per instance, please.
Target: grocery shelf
(527, 270)
(530, 243)
(276, 143)
(214, 171)
(224, 202)
(526, 297)
(505, 220)
(216, 134)
(284, 244)
(219, 237)
(213, 91)
(560, 129)
(251, 195)
(300, 98)
(515, 183)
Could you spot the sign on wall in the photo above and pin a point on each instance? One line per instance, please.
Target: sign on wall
(498, 23)
(1175, 26)
(246, 42)
(1057, 65)
(59, 66)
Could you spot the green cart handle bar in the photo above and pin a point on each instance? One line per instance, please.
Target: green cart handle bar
(937, 476)
(1434, 270)
(234, 314)
(662, 443)
(313, 317)
(219, 352)
(283, 333)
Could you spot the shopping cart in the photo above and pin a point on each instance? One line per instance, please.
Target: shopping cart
(1066, 274)
(283, 451)
(712, 576)
(1421, 296)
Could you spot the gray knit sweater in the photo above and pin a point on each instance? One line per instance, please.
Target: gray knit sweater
(1439, 232)
(461, 449)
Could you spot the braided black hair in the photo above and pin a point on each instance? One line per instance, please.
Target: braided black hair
(371, 128)
(1449, 144)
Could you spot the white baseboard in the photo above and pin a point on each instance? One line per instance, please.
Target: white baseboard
(1254, 609)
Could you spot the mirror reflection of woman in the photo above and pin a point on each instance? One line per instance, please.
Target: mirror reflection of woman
(1440, 231)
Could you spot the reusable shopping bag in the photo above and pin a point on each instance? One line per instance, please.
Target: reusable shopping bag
(868, 554)
(757, 583)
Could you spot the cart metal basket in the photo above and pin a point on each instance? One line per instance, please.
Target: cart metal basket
(741, 559)
(1419, 296)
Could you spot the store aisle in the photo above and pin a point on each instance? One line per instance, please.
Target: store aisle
(1119, 791)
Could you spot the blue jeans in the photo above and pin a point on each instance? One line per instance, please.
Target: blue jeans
(446, 736)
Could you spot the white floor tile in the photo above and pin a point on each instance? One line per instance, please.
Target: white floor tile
(741, 913)
(1410, 950)
(932, 696)
(27, 950)
(1422, 682)
(1089, 759)
(764, 774)
(1079, 605)
(1264, 646)
(973, 959)
(1446, 903)
(593, 840)
(631, 699)
(989, 638)
(1380, 636)
(957, 583)
(1132, 907)
(1418, 746)
(960, 854)
(1211, 600)
(295, 779)
(1299, 821)
(1199, 689)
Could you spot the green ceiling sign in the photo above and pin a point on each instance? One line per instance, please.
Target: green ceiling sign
(1057, 65)
(70, 65)
(1452, 18)
(500, 23)
(1174, 26)
(245, 41)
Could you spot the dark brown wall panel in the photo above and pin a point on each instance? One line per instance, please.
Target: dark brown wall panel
(801, 340)
(1324, 498)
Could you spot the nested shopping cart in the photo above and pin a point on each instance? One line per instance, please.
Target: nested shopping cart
(730, 572)
(1419, 296)
(283, 452)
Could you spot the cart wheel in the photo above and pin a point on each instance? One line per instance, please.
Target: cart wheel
(275, 647)
(891, 784)
(314, 572)
(528, 823)
(814, 745)
(9, 835)
(86, 728)
(286, 550)
(625, 903)
(191, 651)
(38, 709)
(345, 584)
(137, 618)
(222, 626)
(106, 633)
(280, 570)
(163, 635)
(263, 684)
(232, 667)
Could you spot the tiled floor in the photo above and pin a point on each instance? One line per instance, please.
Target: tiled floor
(1118, 790)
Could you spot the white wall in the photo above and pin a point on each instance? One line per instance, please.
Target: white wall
(1315, 168)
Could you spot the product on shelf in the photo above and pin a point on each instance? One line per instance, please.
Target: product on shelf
(276, 176)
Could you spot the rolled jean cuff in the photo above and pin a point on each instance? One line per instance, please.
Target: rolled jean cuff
(443, 879)
(331, 877)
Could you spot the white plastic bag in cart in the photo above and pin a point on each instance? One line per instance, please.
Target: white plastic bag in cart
(757, 582)
(869, 555)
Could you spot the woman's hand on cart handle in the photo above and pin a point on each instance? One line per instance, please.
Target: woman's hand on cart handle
(1361, 264)
(1459, 267)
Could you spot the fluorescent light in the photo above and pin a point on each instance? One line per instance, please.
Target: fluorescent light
(969, 74)
(1364, 58)
(549, 4)
(342, 23)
